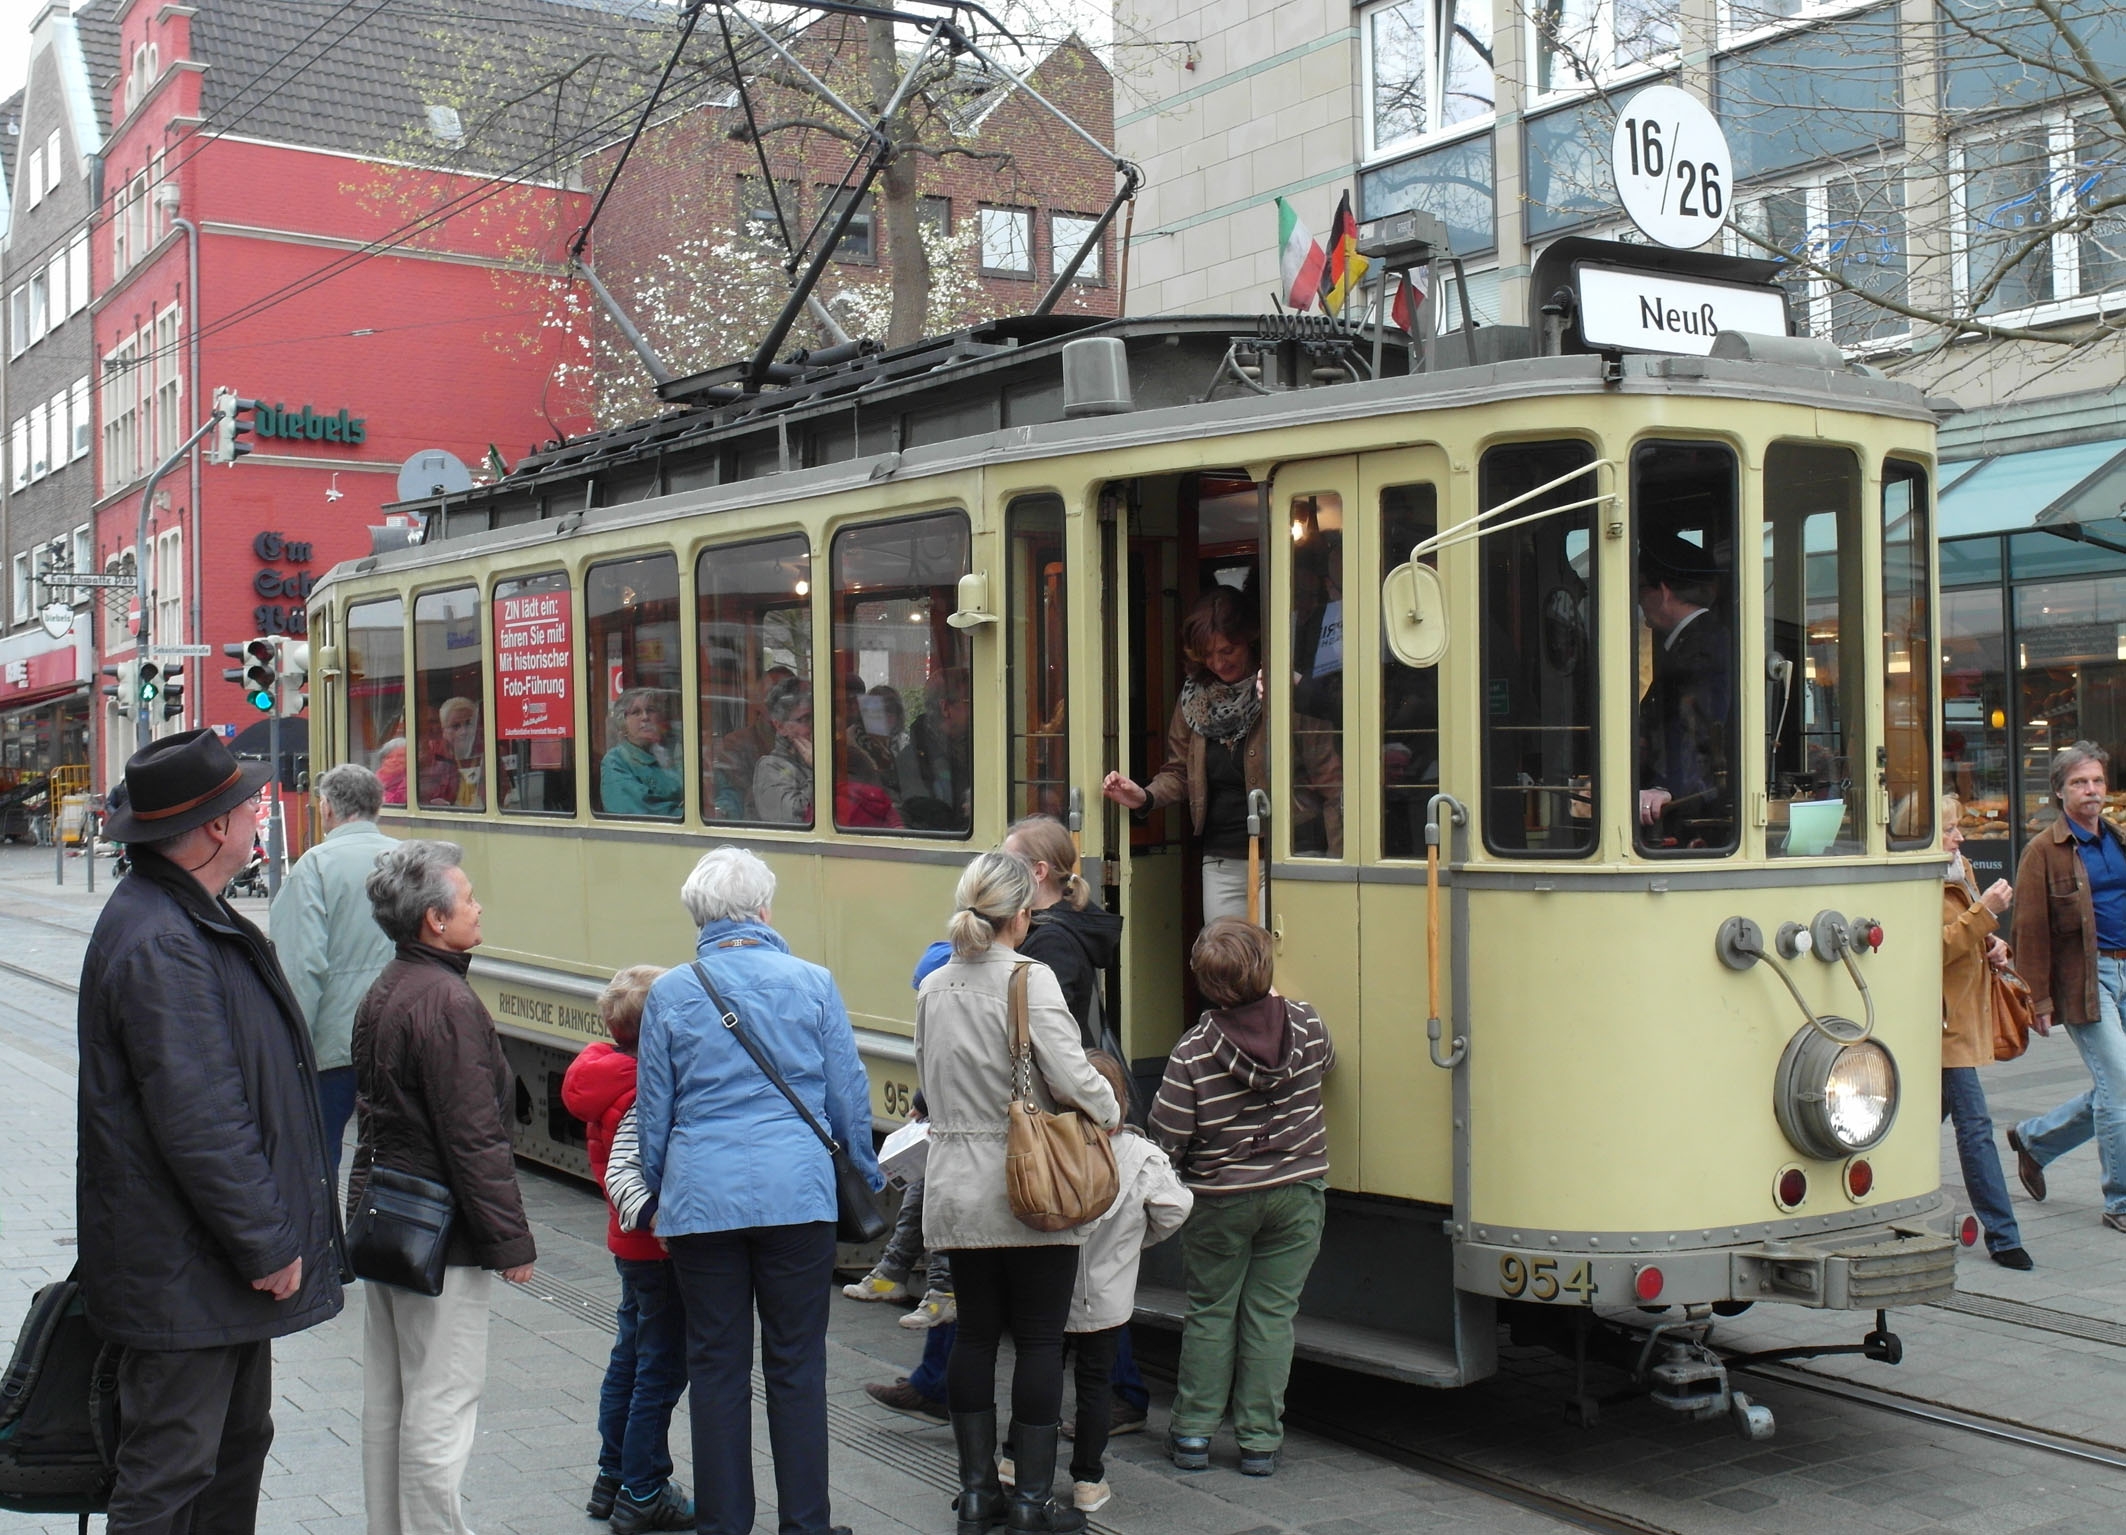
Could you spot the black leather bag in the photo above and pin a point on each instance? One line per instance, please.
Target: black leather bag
(401, 1234)
(857, 1219)
(59, 1410)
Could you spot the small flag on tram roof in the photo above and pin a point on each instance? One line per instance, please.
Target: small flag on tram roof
(1300, 259)
(1408, 297)
(1346, 267)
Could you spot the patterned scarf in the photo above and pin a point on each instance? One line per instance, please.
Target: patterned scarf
(1221, 711)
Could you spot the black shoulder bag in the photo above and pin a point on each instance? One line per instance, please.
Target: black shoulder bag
(856, 1214)
(401, 1234)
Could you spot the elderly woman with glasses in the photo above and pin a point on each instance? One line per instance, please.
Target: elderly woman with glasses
(782, 780)
(433, 1096)
(745, 1190)
(639, 774)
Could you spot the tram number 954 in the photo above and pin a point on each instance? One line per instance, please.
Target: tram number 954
(896, 1100)
(1538, 1279)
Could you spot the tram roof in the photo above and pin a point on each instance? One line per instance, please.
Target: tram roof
(995, 393)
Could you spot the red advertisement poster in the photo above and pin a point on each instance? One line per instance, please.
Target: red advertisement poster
(533, 648)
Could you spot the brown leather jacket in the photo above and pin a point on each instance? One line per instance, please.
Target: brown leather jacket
(1186, 774)
(1966, 978)
(2055, 924)
(433, 1100)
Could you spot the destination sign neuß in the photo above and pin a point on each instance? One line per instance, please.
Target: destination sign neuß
(305, 422)
(1652, 312)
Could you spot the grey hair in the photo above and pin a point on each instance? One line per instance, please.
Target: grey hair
(786, 696)
(353, 792)
(616, 719)
(2068, 758)
(730, 884)
(996, 887)
(410, 881)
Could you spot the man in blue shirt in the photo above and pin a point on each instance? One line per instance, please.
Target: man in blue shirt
(2070, 942)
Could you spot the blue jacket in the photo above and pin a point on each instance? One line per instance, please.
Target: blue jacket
(721, 1148)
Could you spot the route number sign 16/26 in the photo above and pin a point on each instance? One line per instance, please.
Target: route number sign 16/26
(1671, 166)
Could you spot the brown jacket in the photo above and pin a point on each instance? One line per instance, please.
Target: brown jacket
(433, 1100)
(1187, 776)
(2055, 924)
(1966, 978)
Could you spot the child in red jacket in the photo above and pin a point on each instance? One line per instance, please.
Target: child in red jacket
(647, 1372)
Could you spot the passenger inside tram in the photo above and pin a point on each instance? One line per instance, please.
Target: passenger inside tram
(451, 761)
(739, 752)
(640, 773)
(936, 766)
(1684, 771)
(782, 780)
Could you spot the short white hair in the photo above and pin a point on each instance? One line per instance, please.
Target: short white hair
(730, 884)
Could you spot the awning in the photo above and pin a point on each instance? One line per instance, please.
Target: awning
(2046, 487)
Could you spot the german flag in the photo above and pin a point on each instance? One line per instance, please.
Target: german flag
(1346, 268)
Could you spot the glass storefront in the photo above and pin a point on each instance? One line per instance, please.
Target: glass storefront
(33, 740)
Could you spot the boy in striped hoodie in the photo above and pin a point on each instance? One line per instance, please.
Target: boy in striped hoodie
(1240, 1112)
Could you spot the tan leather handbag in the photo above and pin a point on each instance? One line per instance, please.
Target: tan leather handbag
(1059, 1169)
(2012, 1013)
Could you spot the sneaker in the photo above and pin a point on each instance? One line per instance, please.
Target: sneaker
(1258, 1462)
(876, 1286)
(603, 1491)
(1090, 1496)
(670, 1509)
(903, 1398)
(1127, 1419)
(2027, 1168)
(1189, 1452)
(2114, 1220)
(936, 1308)
(2014, 1258)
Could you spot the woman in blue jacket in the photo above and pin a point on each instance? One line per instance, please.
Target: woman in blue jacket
(745, 1191)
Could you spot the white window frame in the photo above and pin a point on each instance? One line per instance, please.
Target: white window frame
(24, 605)
(52, 162)
(80, 423)
(121, 252)
(18, 453)
(40, 441)
(2059, 124)
(1436, 54)
(121, 416)
(77, 273)
(1813, 311)
(18, 321)
(56, 296)
(33, 179)
(1602, 44)
(84, 552)
(40, 287)
(169, 384)
(1806, 14)
(169, 587)
(1063, 244)
(1021, 215)
(58, 435)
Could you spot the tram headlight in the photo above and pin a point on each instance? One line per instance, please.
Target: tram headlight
(1835, 1098)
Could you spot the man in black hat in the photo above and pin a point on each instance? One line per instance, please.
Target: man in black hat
(1684, 719)
(205, 1213)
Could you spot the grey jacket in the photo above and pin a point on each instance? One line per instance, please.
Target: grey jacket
(963, 1059)
(1150, 1208)
(326, 935)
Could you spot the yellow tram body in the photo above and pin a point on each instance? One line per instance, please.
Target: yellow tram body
(1613, 1109)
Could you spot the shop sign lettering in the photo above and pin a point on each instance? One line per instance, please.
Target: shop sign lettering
(305, 423)
(533, 653)
(271, 617)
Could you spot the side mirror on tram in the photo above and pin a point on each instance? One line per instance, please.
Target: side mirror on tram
(973, 606)
(1413, 607)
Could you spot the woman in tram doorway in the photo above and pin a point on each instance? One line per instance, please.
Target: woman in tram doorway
(1217, 747)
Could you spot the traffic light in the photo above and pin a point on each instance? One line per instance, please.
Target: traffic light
(147, 681)
(173, 692)
(118, 690)
(228, 427)
(295, 675)
(259, 676)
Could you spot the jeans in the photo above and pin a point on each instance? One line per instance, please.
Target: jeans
(194, 1428)
(2101, 1111)
(643, 1379)
(1247, 1256)
(929, 1376)
(1024, 1291)
(335, 1101)
(1963, 1103)
(785, 1272)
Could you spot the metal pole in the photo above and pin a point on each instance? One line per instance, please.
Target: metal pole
(273, 819)
(51, 817)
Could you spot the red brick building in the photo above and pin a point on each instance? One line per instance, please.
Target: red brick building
(267, 226)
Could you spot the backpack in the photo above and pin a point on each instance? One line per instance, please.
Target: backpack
(59, 1410)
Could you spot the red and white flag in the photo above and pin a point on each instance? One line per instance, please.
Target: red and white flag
(1301, 259)
(1408, 296)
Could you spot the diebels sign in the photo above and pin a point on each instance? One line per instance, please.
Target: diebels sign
(279, 421)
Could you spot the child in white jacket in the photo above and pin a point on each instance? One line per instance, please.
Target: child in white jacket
(1150, 1207)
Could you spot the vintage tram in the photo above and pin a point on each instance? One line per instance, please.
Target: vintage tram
(1683, 1043)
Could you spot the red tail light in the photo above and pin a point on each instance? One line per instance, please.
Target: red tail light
(1792, 1188)
(1646, 1284)
(1859, 1178)
(1967, 1231)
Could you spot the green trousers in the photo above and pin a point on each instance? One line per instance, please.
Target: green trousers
(1248, 1256)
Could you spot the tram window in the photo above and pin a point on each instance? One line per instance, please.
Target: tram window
(376, 692)
(1316, 807)
(631, 611)
(895, 583)
(753, 624)
(535, 704)
(1409, 695)
(1814, 615)
(450, 765)
(1683, 506)
(1038, 675)
(1908, 656)
(1537, 657)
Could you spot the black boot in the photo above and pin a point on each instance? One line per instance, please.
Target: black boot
(982, 1504)
(1032, 1506)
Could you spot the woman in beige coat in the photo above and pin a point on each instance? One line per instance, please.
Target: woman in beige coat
(1969, 953)
(1009, 1277)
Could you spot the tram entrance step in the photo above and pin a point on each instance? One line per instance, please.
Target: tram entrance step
(1348, 1345)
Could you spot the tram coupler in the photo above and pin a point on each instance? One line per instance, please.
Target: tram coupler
(1881, 1345)
(1690, 1380)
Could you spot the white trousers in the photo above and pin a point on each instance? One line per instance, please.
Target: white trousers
(424, 1362)
(1225, 890)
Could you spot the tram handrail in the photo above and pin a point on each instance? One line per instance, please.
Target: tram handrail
(1460, 533)
(1460, 1049)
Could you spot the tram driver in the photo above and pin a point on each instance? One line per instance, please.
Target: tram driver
(1684, 796)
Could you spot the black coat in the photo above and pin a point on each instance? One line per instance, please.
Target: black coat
(200, 1160)
(1684, 719)
(1077, 945)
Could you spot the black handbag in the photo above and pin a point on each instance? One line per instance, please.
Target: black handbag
(857, 1219)
(401, 1234)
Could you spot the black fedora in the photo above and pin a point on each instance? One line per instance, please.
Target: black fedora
(177, 783)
